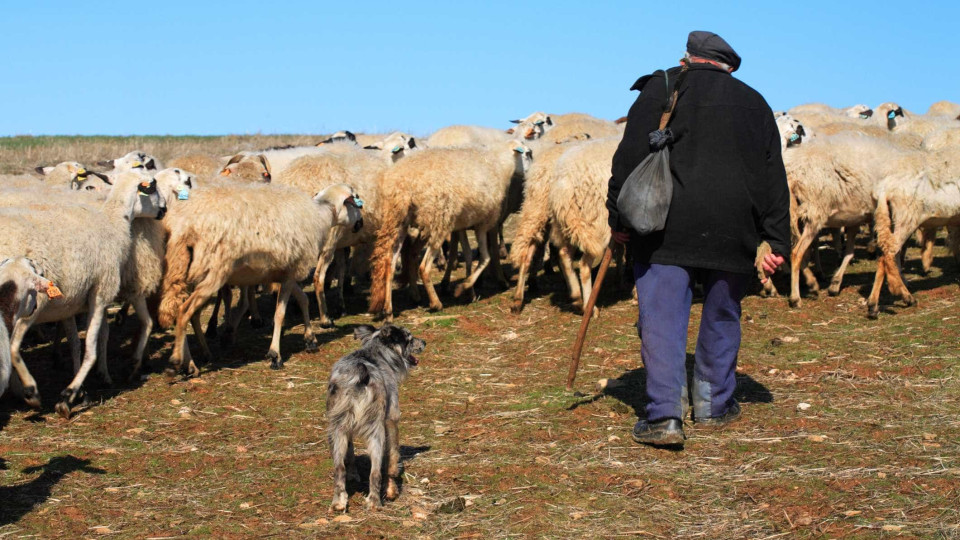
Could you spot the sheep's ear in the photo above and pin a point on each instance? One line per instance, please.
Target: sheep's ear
(8, 303)
(107, 164)
(350, 136)
(510, 131)
(412, 143)
(150, 165)
(800, 131)
(43, 171)
(549, 121)
(363, 332)
(266, 165)
(374, 146)
(231, 161)
(105, 178)
(515, 121)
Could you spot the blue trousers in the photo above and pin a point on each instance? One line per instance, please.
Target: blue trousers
(665, 293)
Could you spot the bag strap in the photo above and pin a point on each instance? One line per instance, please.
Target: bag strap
(672, 103)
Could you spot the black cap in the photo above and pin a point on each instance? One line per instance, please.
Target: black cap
(713, 47)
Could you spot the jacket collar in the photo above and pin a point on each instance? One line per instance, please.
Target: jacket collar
(696, 66)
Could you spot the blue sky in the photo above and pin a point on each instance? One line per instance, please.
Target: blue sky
(314, 67)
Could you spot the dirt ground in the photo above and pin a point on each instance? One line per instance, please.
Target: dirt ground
(851, 428)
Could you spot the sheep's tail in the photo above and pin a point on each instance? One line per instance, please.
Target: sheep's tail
(883, 225)
(763, 250)
(794, 218)
(174, 288)
(394, 218)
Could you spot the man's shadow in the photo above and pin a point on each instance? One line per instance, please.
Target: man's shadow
(362, 462)
(19, 500)
(630, 389)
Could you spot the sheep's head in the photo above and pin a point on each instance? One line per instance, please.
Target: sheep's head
(21, 280)
(67, 172)
(522, 155)
(397, 144)
(859, 111)
(890, 111)
(175, 184)
(91, 181)
(132, 161)
(339, 137)
(791, 131)
(533, 126)
(346, 205)
(248, 168)
(139, 194)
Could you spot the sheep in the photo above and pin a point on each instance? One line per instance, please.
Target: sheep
(832, 183)
(945, 108)
(533, 126)
(815, 115)
(439, 191)
(136, 159)
(81, 248)
(20, 285)
(200, 165)
(886, 114)
(906, 202)
(68, 173)
(362, 169)
(576, 126)
(459, 135)
(246, 167)
(533, 225)
(394, 146)
(245, 235)
(577, 205)
(142, 272)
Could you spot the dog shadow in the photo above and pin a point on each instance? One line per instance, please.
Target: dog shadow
(19, 500)
(630, 389)
(362, 462)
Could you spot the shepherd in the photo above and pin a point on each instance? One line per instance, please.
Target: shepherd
(729, 194)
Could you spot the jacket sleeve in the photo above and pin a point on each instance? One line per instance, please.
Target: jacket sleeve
(643, 118)
(774, 195)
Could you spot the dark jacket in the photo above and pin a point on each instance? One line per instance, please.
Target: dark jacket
(729, 185)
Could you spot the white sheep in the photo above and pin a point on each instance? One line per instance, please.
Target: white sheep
(945, 108)
(20, 285)
(460, 135)
(80, 248)
(439, 191)
(247, 235)
(136, 159)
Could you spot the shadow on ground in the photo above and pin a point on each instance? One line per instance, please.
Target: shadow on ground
(20, 499)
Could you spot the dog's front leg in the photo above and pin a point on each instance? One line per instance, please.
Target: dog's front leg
(375, 446)
(339, 444)
(393, 458)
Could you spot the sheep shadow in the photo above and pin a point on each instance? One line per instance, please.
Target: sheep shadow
(19, 500)
(629, 389)
(362, 461)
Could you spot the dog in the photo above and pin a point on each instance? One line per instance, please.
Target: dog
(363, 401)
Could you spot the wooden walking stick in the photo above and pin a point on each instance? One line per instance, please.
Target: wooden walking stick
(587, 315)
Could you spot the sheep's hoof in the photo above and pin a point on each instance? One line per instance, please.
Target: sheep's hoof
(276, 362)
(834, 291)
(171, 373)
(211, 330)
(517, 307)
(326, 323)
(910, 301)
(435, 307)
(795, 302)
(68, 399)
(192, 370)
(63, 409)
(31, 397)
(310, 345)
(873, 311)
(133, 377)
(257, 323)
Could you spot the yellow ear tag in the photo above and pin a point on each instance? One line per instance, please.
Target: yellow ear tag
(53, 292)
(136, 164)
(81, 171)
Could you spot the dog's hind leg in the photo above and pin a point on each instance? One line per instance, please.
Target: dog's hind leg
(393, 459)
(339, 445)
(351, 463)
(375, 447)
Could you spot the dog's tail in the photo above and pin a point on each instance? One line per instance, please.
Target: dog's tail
(396, 214)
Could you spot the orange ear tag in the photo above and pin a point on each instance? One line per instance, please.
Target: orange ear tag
(53, 292)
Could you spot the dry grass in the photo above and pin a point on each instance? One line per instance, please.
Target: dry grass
(242, 452)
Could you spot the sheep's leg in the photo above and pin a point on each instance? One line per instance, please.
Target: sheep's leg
(410, 267)
(586, 283)
(517, 306)
(319, 286)
(223, 297)
(566, 267)
(231, 324)
(451, 263)
(276, 361)
(496, 246)
(340, 261)
(102, 370)
(426, 268)
(391, 268)
(29, 386)
(848, 249)
(815, 255)
(928, 236)
(895, 282)
(953, 242)
(484, 261)
(121, 317)
(873, 301)
(797, 258)
(196, 324)
(69, 326)
(146, 326)
(95, 324)
(202, 293)
(256, 321)
(466, 250)
(309, 338)
(534, 266)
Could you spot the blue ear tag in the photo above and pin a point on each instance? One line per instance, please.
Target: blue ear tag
(794, 137)
(538, 123)
(358, 201)
(863, 116)
(891, 114)
(518, 149)
(183, 194)
(396, 149)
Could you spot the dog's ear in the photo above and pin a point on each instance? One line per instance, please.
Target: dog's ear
(363, 332)
(387, 331)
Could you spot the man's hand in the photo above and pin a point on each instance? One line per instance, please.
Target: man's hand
(771, 262)
(622, 237)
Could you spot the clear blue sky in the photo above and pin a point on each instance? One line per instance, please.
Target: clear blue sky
(312, 67)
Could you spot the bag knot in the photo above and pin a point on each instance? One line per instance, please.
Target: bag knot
(660, 139)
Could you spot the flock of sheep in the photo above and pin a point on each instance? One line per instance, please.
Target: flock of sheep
(168, 240)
